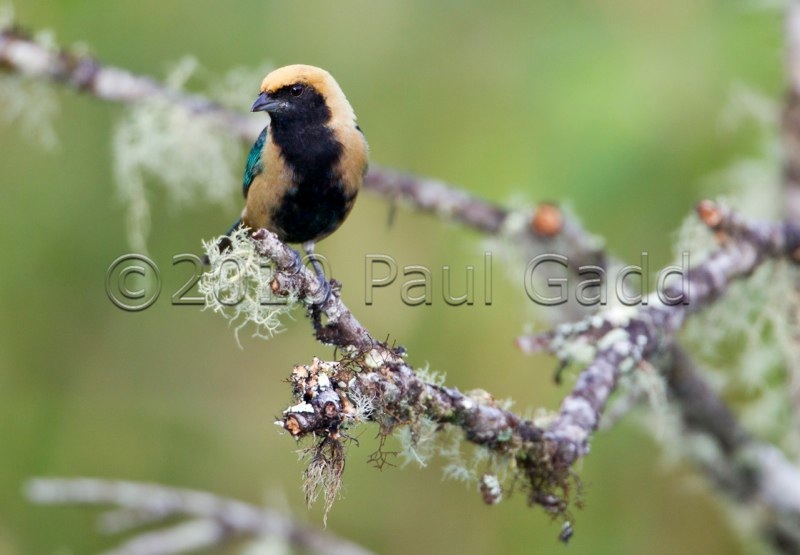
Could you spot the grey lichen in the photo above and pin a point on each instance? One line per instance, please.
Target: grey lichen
(238, 286)
(159, 142)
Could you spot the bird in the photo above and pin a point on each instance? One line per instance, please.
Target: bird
(307, 166)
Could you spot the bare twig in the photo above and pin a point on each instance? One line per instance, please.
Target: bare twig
(702, 410)
(214, 520)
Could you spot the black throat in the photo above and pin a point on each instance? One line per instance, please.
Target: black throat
(315, 203)
(307, 144)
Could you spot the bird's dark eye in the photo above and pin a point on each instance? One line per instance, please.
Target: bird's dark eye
(297, 90)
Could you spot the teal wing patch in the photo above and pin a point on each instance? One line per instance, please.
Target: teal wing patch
(254, 164)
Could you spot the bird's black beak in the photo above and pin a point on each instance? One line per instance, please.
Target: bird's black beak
(265, 103)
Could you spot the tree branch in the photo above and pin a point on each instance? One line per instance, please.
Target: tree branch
(215, 520)
(623, 337)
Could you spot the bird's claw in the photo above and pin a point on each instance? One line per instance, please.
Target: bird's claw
(327, 291)
(297, 262)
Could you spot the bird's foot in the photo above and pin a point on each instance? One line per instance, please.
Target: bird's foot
(315, 309)
(297, 262)
(327, 291)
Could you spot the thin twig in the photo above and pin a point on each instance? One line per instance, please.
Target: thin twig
(215, 520)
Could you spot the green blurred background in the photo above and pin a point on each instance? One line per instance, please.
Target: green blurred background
(613, 107)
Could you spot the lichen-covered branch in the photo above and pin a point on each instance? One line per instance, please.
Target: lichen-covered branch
(750, 471)
(20, 53)
(374, 383)
(341, 329)
(330, 395)
(377, 386)
(622, 337)
(754, 473)
(379, 371)
(214, 520)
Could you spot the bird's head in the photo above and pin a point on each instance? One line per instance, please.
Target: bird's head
(303, 94)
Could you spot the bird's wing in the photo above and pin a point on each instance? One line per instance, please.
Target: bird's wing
(254, 165)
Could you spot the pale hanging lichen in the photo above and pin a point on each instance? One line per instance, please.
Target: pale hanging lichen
(27, 101)
(193, 157)
(238, 286)
(324, 473)
(418, 442)
(7, 17)
(746, 105)
(33, 106)
(238, 87)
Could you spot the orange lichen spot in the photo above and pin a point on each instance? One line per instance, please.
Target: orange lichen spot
(709, 213)
(547, 220)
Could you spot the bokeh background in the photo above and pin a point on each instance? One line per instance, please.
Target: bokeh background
(617, 108)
